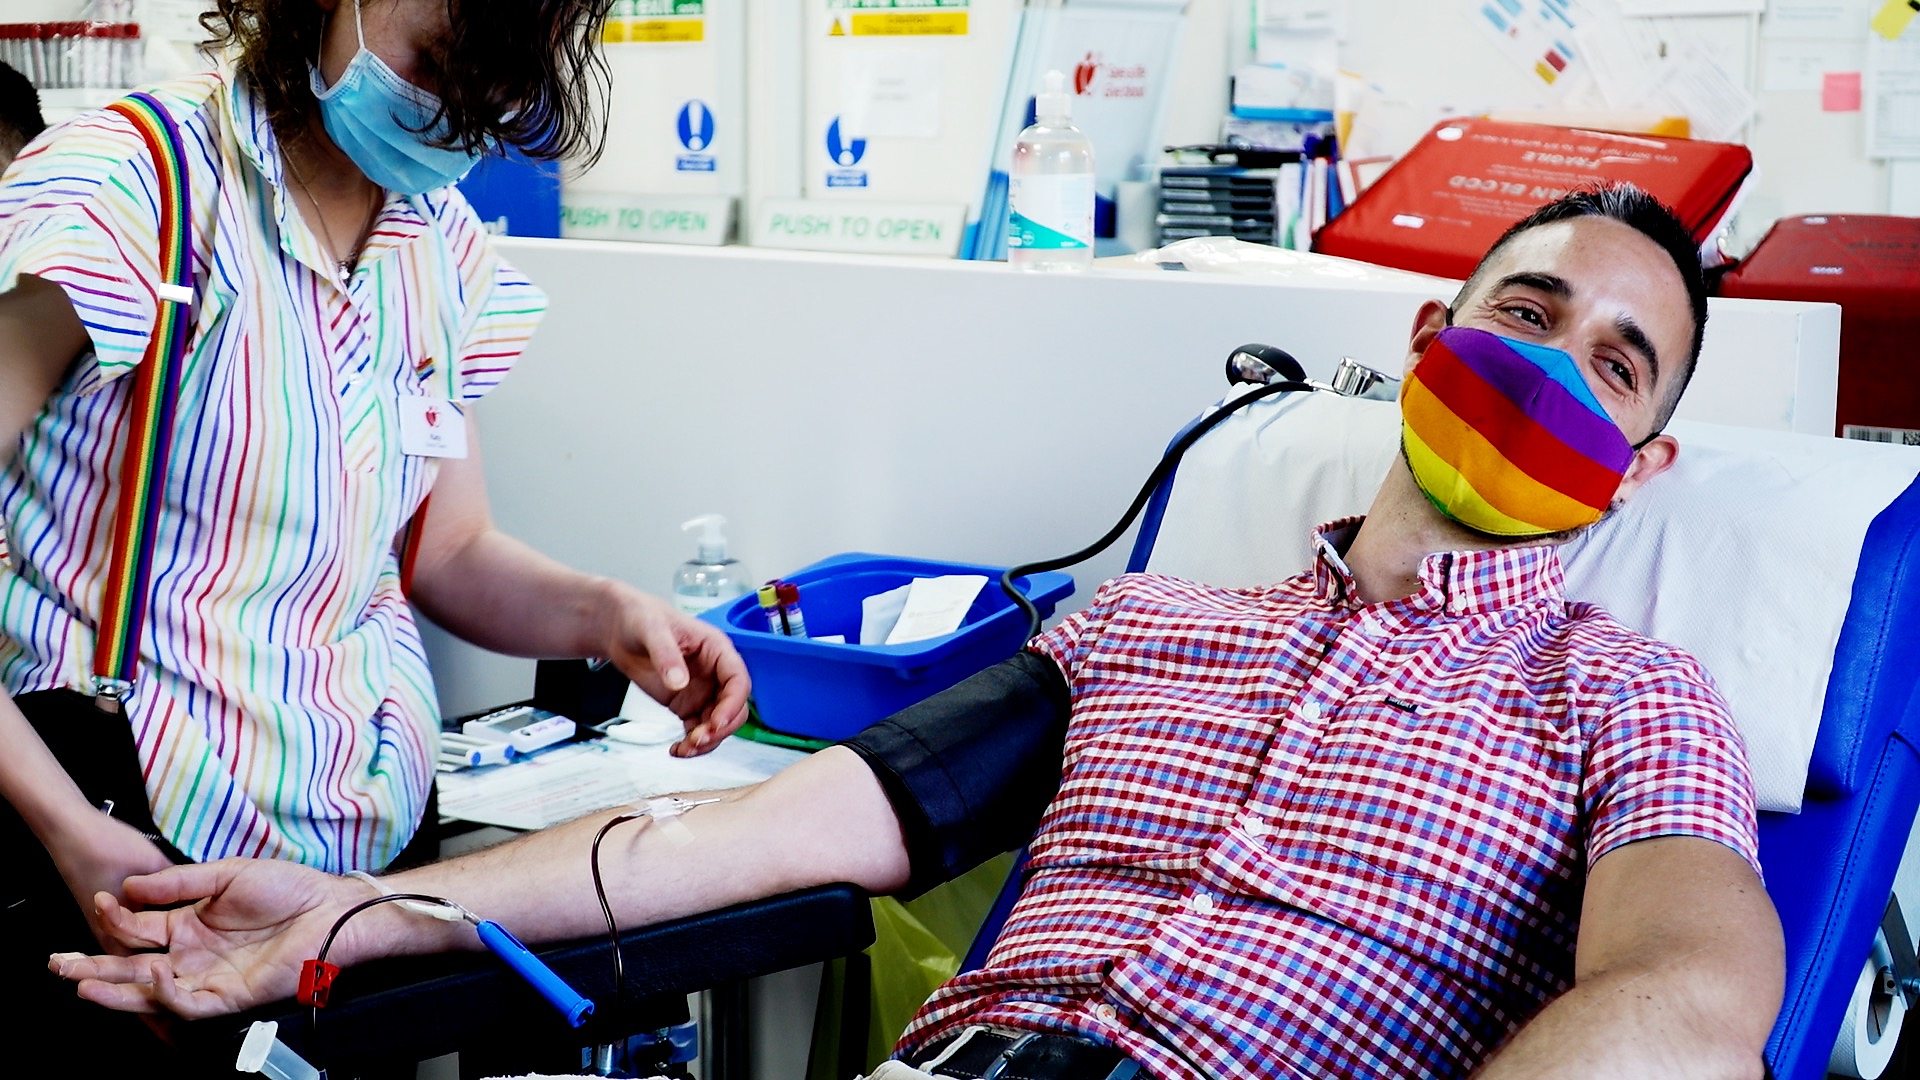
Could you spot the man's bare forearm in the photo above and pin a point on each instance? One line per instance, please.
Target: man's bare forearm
(823, 820)
(1668, 1022)
(1678, 973)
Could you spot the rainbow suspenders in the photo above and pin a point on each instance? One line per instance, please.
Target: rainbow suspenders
(156, 391)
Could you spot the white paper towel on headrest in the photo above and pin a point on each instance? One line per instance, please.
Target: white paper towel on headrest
(1743, 554)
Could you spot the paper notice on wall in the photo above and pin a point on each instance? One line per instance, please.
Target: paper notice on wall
(1623, 58)
(655, 22)
(171, 20)
(1656, 65)
(1302, 16)
(1801, 66)
(1696, 87)
(1651, 8)
(1727, 40)
(1832, 20)
(898, 18)
(1536, 37)
(1893, 97)
(892, 90)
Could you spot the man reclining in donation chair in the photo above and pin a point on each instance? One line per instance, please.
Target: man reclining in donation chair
(1411, 812)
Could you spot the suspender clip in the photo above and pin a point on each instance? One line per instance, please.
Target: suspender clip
(110, 694)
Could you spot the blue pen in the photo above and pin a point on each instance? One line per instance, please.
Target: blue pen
(531, 968)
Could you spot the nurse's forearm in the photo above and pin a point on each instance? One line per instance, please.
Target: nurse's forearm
(488, 588)
(502, 595)
(39, 337)
(823, 820)
(34, 784)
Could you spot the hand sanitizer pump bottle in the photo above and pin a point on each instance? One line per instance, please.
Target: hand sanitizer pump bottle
(1050, 188)
(710, 578)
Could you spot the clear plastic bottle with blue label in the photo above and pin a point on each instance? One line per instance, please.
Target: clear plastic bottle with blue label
(1050, 187)
(711, 577)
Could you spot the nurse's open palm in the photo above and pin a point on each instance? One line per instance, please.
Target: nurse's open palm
(248, 926)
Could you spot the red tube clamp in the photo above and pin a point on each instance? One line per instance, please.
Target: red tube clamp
(316, 982)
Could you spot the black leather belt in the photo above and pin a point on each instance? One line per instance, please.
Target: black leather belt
(981, 1053)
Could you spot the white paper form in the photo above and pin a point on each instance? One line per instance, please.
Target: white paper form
(1650, 8)
(892, 90)
(1830, 20)
(1623, 59)
(1698, 88)
(1538, 37)
(171, 20)
(1796, 65)
(1661, 66)
(935, 607)
(1893, 97)
(569, 781)
(1302, 16)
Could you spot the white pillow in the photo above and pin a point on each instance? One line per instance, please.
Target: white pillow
(1743, 553)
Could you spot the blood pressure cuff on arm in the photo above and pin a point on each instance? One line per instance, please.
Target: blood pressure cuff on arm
(970, 770)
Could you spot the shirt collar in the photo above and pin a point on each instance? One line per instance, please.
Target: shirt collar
(1456, 582)
(251, 131)
(254, 134)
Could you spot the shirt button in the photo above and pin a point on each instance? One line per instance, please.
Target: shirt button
(1203, 903)
(1254, 827)
(1107, 1013)
(1310, 711)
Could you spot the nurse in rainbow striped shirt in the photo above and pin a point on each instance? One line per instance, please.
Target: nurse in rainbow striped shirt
(347, 314)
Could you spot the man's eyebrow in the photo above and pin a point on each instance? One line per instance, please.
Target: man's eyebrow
(1637, 339)
(1551, 284)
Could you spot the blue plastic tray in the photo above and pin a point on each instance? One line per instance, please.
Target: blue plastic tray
(822, 690)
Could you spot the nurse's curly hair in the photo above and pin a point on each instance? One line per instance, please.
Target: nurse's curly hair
(494, 81)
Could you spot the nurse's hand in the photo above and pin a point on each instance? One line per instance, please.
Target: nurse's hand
(683, 663)
(98, 856)
(240, 943)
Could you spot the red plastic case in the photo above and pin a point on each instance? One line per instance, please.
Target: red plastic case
(1440, 207)
(1870, 266)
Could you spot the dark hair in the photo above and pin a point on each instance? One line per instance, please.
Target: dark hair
(1651, 218)
(495, 80)
(20, 119)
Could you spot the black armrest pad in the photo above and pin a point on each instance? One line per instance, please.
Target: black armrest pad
(421, 1007)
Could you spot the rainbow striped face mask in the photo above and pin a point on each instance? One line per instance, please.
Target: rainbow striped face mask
(1506, 438)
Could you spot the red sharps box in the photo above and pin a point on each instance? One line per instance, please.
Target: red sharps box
(1439, 208)
(1870, 266)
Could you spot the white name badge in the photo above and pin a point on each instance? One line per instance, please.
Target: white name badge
(432, 427)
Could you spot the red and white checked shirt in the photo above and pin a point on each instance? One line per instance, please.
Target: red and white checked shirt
(1298, 836)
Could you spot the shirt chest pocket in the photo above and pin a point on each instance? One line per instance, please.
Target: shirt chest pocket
(1151, 778)
(1457, 794)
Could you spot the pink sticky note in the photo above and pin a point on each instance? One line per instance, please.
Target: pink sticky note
(1840, 91)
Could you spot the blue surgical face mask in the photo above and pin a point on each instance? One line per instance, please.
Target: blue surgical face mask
(375, 117)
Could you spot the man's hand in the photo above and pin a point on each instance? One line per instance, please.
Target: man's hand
(97, 857)
(683, 663)
(241, 944)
